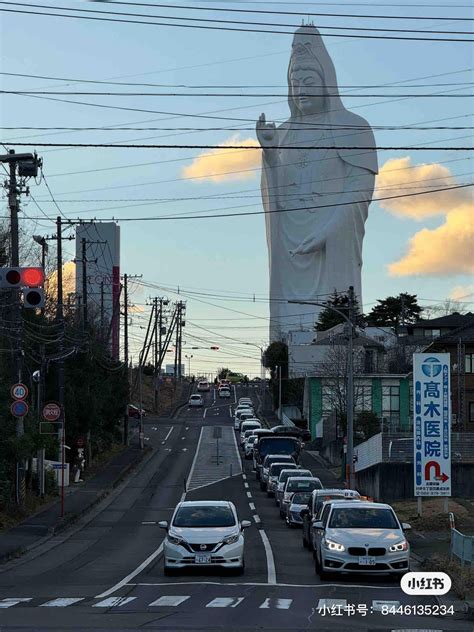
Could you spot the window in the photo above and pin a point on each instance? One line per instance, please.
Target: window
(355, 518)
(469, 367)
(328, 397)
(200, 516)
(390, 400)
(363, 397)
(431, 333)
(471, 412)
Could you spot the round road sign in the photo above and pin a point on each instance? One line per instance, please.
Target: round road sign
(19, 391)
(19, 408)
(51, 411)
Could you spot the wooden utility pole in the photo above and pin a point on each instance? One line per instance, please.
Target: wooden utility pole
(125, 347)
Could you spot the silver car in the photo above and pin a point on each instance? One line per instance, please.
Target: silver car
(267, 462)
(284, 476)
(298, 502)
(274, 473)
(294, 484)
(360, 537)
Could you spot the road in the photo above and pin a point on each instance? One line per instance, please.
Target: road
(107, 572)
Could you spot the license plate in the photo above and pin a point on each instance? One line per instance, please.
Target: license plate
(203, 558)
(367, 561)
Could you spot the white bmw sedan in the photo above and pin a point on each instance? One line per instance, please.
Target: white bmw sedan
(204, 533)
(360, 537)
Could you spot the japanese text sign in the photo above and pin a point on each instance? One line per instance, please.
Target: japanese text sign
(432, 424)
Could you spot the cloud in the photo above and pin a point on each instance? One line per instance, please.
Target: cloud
(399, 177)
(461, 292)
(220, 166)
(442, 251)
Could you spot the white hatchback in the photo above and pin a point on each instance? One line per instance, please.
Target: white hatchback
(203, 533)
(196, 401)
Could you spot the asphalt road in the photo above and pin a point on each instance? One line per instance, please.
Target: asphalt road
(107, 572)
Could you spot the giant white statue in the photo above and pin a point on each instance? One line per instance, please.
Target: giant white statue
(316, 189)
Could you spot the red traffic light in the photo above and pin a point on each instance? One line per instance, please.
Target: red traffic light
(33, 277)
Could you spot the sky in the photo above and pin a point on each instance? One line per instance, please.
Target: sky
(219, 266)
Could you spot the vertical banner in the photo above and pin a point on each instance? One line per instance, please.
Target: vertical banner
(432, 424)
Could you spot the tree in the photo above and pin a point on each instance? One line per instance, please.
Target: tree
(328, 318)
(394, 311)
(222, 373)
(276, 354)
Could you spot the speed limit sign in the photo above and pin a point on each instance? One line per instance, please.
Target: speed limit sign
(19, 391)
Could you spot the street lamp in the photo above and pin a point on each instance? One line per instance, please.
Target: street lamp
(188, 357)
(350, 379)
(44, 248)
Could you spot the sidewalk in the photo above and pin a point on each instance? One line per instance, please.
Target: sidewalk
(79, 499)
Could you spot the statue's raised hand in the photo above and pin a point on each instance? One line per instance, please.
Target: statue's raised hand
(266, 132)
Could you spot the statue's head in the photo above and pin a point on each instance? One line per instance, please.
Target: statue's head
(311, 74)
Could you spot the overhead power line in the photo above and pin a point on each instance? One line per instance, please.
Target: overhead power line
(202, 26)
(239, 147)
(256, 95)
(298, 13)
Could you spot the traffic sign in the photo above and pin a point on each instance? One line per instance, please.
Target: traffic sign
(51, 411)
(19, 391)
(50, 428)
(19, 408)
(80, 442)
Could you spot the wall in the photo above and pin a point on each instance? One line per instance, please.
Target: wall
(387, 482)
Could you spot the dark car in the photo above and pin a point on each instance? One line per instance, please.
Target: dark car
(318, 497)
(294, 431)
(275, 444)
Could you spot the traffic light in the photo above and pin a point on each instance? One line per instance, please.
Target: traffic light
(33, 294)
(29, 279)
(10, 278)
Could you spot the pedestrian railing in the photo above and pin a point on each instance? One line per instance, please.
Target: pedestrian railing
(462, 547)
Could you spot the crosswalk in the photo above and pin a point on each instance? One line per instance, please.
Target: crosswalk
(321, 605)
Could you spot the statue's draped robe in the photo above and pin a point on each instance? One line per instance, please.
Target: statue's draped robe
(340, 182)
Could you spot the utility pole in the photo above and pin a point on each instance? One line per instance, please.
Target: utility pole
(350, 390)
(84, 283)
(126, 278)
(178, 320)
(155, 354)
(102, 309)
(125, 347)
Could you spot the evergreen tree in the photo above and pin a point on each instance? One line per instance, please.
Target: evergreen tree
(394, 311)
(329, 318)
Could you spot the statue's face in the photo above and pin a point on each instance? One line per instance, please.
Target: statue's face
(306, 85)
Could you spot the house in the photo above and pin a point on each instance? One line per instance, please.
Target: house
(433, 328)
(459, 343)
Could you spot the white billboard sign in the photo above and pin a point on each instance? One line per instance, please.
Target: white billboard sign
(432, 424)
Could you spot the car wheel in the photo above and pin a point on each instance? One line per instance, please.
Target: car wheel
(241, 569)
(282, 515)
(269, 494)
(167, 571)
(263, 487)
(324, 575)
(305, 542)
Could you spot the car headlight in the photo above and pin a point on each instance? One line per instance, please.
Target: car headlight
(174, 540)
(333, 546)
(231, 539)
(400, 546)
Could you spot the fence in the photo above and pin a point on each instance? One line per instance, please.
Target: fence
(368, 453)
(462, 547)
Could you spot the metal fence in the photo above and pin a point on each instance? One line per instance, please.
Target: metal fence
(462, 547)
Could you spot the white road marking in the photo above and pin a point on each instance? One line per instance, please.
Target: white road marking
(167, 436)
(235, 395)
(113, 602)
(193, 465)
(204, 413)
(149, 522)
(225, 602)
(312, 586)
(378, 605)
(327, 603)
(170, 600)
(280, 604)
(184, 449)
(230, 411)
(13, 601)
(246, 485)
(256, 517)
(182, 438)
(249, 495)
(244, 476)
(61, 602)
(187, 428)
(252, 506)
(271, 572)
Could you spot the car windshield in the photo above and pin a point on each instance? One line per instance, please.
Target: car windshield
(284, 476)
(276, 468)
(204, 516)
(195, 397)
(301, 498)
(363, 518)
(275, 459)
(296, 485)
(251, 439)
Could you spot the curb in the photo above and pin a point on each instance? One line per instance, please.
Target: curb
(71, 518)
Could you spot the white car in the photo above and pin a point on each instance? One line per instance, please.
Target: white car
(248, 424)
(196, 401)
(203, 533)
(245, 400)
(243, 415)
(355, 537)
(224, 392)
(248, 446)
(203, 387)
(244, 436)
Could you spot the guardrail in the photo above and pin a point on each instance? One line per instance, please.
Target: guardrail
(462, 547)
(285, 420)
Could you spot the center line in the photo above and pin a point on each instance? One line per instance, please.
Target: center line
(169, 432)
(249, 495)
(252, 506)
(246, 485)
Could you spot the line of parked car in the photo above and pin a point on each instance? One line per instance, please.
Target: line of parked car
(346, 532)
